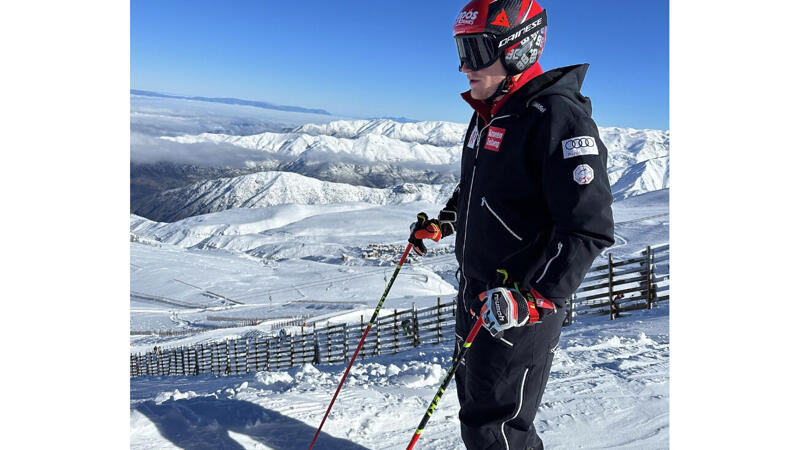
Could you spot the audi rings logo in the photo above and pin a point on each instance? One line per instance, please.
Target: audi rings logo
(579, 143)
(579, 146)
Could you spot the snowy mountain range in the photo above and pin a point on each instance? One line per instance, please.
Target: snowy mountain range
(376, 161)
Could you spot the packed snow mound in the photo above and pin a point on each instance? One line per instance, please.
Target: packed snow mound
(277, 188)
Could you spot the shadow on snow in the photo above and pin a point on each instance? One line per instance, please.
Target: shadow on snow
(204, 422)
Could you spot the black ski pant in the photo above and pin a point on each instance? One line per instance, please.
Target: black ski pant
(500, 382)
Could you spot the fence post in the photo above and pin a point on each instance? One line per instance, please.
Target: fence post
(568, 318)
(228, 361)
(291, 351)
(612, 306)
(362, 332)
(346, 347)
(377, 350)
(438, 320)
(415, 323)
(328, 340)
(302, 344)
(248, 356)
(266, 351)
(396, 331)
(650, 277)
(184, 358)
(316, 345)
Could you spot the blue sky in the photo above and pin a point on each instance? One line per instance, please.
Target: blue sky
(378, 58)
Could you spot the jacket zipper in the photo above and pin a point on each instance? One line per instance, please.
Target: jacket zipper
(547, 266)
(486, 204)
(469, 200)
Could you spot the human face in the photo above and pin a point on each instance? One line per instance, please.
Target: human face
(483, 83)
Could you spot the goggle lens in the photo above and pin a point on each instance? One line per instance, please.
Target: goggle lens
(476, 51)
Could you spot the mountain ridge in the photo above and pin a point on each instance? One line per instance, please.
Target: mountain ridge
(232, 101)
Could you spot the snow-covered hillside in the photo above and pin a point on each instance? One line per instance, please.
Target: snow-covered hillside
(336, 256)
(278, 188)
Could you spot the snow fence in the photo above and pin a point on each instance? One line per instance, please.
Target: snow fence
(609, 288)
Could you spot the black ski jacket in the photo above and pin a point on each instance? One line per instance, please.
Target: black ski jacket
(534, 197)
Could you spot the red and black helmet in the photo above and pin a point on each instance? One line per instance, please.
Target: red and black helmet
(488, 29)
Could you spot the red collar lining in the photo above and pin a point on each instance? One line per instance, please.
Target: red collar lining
(485, 111)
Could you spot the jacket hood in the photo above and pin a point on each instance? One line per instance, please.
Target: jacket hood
(564, 81)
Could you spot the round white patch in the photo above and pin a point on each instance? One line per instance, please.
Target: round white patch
(583, 174)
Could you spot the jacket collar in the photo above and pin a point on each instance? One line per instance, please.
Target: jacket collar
(485, 110)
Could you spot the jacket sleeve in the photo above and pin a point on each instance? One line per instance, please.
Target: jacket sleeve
(448, 216)
(578, 199)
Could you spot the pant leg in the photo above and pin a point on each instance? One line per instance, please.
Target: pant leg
(502, 382)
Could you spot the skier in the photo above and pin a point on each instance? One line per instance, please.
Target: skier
(531, 212)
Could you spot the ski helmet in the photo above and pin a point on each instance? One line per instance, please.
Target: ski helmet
(513, 30)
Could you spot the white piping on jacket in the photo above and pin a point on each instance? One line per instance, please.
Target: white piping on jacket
(486, 204)
(549, 261)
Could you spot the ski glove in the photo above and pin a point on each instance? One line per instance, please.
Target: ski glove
(502, 309)
(424, 228)
(447, 221)
(536, 306)
(540, 306)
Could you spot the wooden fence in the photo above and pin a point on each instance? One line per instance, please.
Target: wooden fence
(623, 285)
(609, 288)
(391, 333)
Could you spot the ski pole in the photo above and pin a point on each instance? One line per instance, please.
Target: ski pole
(443, 386)
(363, 337)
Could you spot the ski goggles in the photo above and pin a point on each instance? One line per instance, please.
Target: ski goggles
(480, 50)
(476, 51)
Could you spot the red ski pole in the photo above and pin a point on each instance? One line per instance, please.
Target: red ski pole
(443, 386)
(360, 343)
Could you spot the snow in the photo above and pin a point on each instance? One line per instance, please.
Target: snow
(276, 188)
(273, 246)
(608, 388)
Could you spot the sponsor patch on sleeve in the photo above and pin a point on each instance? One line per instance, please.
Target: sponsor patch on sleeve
(473, 137)
(583, 174)
(579, 146)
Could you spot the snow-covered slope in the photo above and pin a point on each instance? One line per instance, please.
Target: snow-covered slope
(608, 388)
(638, 160)
(277, 188)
